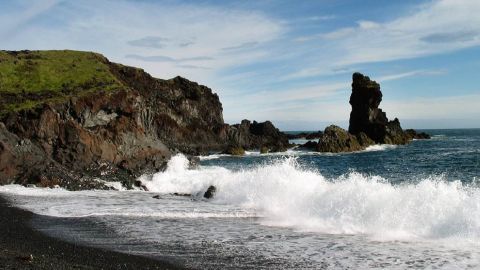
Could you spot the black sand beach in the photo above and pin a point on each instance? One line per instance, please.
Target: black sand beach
(21, 247)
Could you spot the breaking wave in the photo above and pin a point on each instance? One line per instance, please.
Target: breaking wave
(286, 194)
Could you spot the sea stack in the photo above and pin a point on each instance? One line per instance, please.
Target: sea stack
(368, 123)
(367, 117)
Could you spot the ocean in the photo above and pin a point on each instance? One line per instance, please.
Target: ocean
(388, 207)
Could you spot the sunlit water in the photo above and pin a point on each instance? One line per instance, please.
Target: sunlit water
(395, 207)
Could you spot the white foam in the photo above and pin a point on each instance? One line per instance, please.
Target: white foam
(283, 193)
(213, 156)
(288, 195)
(379, 147)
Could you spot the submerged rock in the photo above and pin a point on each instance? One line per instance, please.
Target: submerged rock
(413, 134)
(264, 150)
(235, 151)
(210, 193)
(182, 194)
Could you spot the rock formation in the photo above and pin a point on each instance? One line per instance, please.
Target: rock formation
(367, 117)
(68, 117)
(266, 136)
(368, 123)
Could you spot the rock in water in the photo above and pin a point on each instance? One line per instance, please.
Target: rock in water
(413, 134)
(210, 192)
(248, 135)
(336, 140)
(235, 151)
(366, 116)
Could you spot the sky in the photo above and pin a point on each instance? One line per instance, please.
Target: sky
(290, 62)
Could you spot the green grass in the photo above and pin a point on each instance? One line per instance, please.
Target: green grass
(36, 77)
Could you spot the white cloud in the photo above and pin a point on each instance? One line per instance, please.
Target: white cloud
(433, 28)
(408, 36)
(10, 23)
(412, 73)
(439, 108)
(152, 31)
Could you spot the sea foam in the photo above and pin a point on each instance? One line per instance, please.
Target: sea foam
(282, 193)
(286, 194)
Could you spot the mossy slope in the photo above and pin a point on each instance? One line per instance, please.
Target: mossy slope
(29, 78)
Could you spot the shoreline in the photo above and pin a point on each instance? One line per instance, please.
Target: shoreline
(22, 247)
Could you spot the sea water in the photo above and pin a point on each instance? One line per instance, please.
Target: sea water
(414, 206)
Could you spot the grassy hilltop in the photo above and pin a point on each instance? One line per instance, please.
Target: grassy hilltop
(28, 78)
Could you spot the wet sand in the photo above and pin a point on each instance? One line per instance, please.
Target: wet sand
(21, 247)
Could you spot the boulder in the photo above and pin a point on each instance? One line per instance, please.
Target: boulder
(235, 151)
(210, 192)
(264, 150)
(336, 140)
(254, 135)
(413, 134)
(310, 145)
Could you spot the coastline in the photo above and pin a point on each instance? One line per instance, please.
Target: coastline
(18, 241)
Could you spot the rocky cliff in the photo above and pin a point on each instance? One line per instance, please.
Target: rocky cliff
(69, 117)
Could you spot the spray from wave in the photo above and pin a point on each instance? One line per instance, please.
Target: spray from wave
(287, 194)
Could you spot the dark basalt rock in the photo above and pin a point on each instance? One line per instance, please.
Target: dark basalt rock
(336, 140)
(310, 145)
(182, 194)
(210, 192)
(418, 136)
(235, 151)
(248, 135)
(366, 116)
(115, 135)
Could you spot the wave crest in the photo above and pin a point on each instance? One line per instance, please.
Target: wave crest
(287, 194)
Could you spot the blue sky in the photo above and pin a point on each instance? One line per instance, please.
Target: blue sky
(286, 61)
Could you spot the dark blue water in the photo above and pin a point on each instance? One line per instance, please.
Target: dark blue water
(451, 154)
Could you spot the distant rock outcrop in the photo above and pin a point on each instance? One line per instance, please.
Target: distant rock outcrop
(265, 135)
(305, 135)
(368, 123)
(413, 134)
(367, 117)
(336, 139)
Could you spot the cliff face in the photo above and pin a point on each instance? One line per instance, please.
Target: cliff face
(67, 117)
